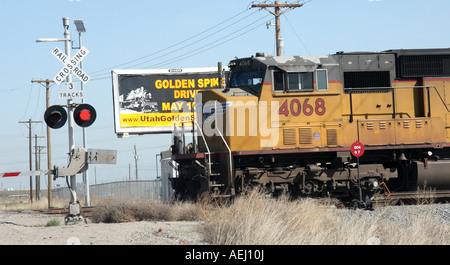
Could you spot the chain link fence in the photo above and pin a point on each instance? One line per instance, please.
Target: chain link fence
(144, 189)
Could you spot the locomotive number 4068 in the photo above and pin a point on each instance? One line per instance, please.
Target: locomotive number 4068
(296, 108)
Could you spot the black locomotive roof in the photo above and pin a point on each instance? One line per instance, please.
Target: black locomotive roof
(419, 51)
(402, 52)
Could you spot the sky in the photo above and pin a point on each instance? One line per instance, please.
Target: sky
(138, 34)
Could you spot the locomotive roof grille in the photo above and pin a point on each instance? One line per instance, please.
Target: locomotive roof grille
(424, 65)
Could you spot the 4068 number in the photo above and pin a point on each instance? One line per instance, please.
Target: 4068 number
(295, 107)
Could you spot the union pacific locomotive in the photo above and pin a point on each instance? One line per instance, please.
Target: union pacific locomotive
(287, 124)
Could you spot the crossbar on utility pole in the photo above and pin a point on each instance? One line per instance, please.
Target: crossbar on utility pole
(49, 148)
(277, 13)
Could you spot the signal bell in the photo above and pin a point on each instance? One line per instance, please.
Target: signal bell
(55, 117)
(84, 115)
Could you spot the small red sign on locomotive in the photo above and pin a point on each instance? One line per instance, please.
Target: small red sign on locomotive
(357, 149)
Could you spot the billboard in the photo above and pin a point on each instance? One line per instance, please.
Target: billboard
(156, 100)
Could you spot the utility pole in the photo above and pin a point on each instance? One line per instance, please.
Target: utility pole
(49, 148)
(37, 166)
(136, 158)
(277, 13)
(129, 171)
(30, 157)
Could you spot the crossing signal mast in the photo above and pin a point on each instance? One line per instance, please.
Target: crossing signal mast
(56, 117)
(277, 13)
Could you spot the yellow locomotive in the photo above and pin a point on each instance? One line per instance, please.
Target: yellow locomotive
(287, 123)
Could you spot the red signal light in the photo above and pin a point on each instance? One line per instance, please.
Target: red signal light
(84, 115)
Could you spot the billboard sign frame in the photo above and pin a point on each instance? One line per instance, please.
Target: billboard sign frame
(148, 101)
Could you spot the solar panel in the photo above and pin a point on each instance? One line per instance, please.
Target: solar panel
(80, 26)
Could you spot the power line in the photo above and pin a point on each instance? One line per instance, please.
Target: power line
(99, 75)
(28, 101)
(221, 26)
(216, 42)
(6, 90)
(197, 41)
(298, 37)
(220, 41)
(93, 74)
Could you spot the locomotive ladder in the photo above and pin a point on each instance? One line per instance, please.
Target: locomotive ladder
(209, 162)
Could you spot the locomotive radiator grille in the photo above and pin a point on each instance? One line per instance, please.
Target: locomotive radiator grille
(332, 137)
(289, 136)
(305, 135)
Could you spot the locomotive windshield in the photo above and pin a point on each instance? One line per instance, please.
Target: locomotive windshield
(251, 79)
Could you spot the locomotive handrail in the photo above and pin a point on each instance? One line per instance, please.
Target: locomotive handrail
(351, 91)
(362, 90)
(439, 94)
(206, 145)
(229, 150)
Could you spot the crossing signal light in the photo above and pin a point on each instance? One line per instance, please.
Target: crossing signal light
(84, 115)
(55, 117)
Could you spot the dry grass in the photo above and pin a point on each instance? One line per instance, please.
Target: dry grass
(257, 220)
(24, 204)
(115, 210)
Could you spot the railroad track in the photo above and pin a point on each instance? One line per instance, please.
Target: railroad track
(414, 197)
(395, 198)
(86, 212)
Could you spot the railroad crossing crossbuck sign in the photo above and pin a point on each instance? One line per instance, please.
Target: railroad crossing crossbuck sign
(71, 66)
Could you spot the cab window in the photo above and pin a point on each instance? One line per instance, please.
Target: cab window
(300, 81)
(251, 79)
(278, 81)
(293, 82)
(322, 79)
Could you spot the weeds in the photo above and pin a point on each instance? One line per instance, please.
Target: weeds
(116, 210)
(22, 205)
(53, 222)
(257, 220)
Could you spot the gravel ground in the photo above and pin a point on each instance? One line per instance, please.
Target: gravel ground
(28, 228)
(400, 214)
